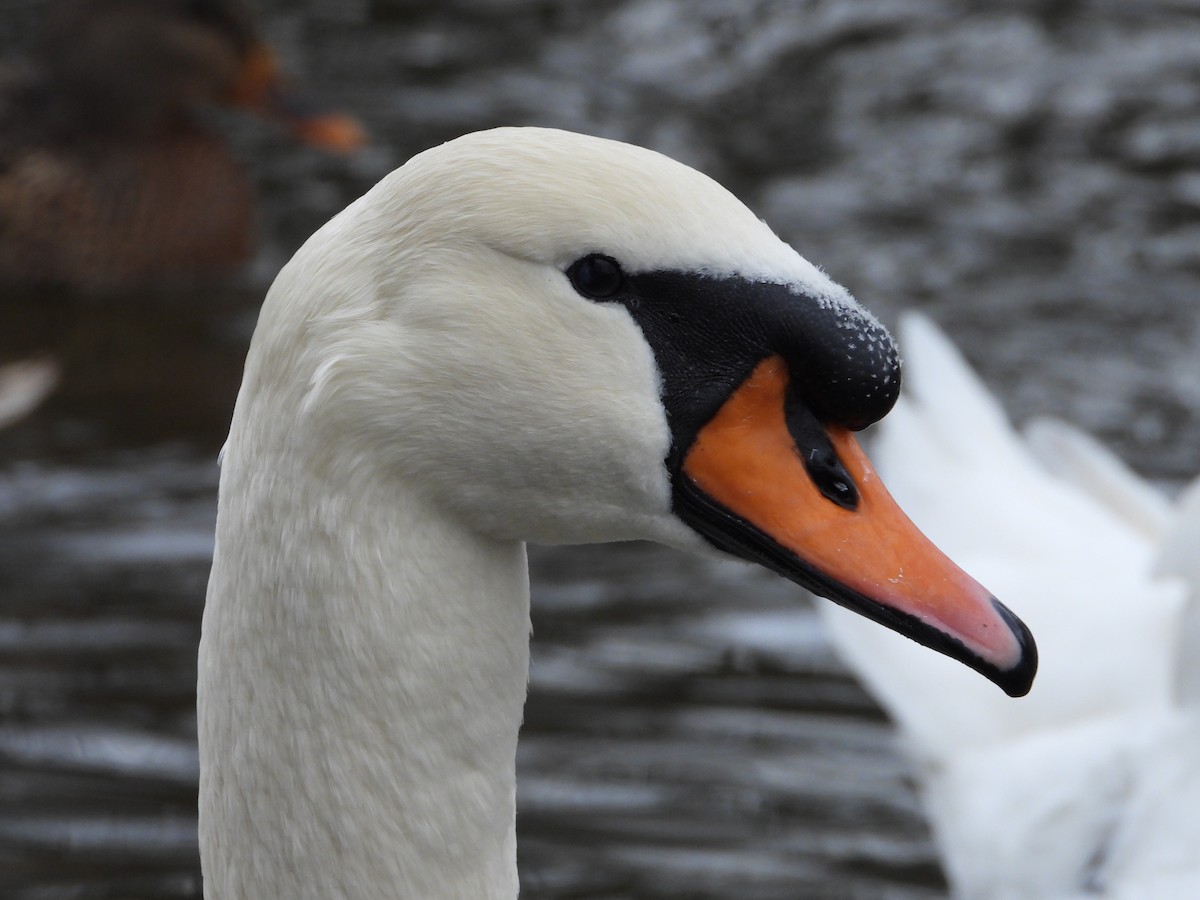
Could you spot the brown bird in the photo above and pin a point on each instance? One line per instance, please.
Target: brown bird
(106, 177)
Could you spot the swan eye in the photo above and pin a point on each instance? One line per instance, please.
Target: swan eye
(597, 277)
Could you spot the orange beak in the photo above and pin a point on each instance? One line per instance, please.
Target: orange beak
(261, 87)
(745, 486)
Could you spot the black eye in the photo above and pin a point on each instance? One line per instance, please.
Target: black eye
(596, 276)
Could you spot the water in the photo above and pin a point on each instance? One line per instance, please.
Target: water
(688, 732)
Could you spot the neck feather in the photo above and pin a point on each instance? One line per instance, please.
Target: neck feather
(362, 675)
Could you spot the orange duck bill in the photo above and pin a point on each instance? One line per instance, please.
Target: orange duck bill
(766, 481)
(262, 88)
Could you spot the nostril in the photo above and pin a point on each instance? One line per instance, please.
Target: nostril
(831, 477)
(815, 450)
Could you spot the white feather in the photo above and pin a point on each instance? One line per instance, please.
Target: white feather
(1091, 784)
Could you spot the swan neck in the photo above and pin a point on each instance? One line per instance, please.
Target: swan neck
(363, 669)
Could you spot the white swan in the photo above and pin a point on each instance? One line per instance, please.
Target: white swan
(1091, 785)
(522, 334)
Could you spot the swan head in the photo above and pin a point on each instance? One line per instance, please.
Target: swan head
(562, 338)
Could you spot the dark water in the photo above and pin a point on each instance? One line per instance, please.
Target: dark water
(688, 733)
(1028, 173)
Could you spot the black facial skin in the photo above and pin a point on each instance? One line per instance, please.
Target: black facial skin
(708, 334)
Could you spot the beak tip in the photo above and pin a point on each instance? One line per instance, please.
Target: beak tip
(1017, 679)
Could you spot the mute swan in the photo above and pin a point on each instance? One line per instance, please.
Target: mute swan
(1095, 776)
(523, 334)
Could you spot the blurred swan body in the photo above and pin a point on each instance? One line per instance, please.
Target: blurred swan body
(523, 334)
(1090, 786)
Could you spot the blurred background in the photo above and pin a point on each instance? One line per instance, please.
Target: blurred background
(1026, 172)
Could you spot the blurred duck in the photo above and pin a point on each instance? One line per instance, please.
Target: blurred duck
(105, 177)
(1090, 786)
